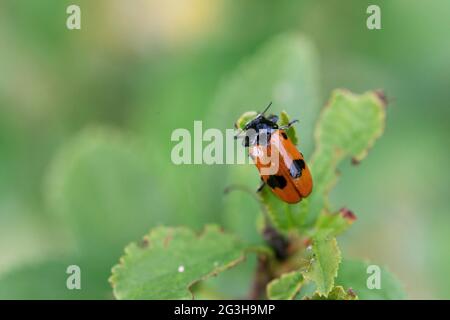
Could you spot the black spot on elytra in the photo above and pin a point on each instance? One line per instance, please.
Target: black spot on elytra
(296, 168)
(275, 181)
(284, 135)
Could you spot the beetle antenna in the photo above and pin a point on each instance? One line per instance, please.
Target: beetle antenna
(267, 108)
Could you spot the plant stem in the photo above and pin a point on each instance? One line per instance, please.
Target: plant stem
(277, 242)
(261, 278)
(264, 274)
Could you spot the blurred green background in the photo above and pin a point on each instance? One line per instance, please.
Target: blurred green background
(86, 118)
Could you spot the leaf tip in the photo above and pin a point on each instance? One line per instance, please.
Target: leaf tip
(381, 95)
(347, 214)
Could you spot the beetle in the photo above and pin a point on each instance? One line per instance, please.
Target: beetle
(270, 148)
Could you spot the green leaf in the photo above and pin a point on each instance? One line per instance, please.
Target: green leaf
(284, 121)
(278, 211)
(232, 284)
(337, 293)
(241, 204)
(286, 287)
(354, 274)
(245, 118)
(106, 193)
(335, 223)
(324, 264)
(348, 127)
(170, 260)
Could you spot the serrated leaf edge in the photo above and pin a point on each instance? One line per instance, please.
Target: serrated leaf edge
(134, 245)
(274, 281)
(306, 273)
(373, 95)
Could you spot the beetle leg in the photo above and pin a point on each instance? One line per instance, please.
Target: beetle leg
(261, 186)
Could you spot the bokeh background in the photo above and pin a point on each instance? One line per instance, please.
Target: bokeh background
(86, 118)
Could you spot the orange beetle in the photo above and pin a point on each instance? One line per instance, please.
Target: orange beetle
(280, 164)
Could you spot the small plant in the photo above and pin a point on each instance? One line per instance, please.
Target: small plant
(301, 249)
(299, 257)
(105, 188)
